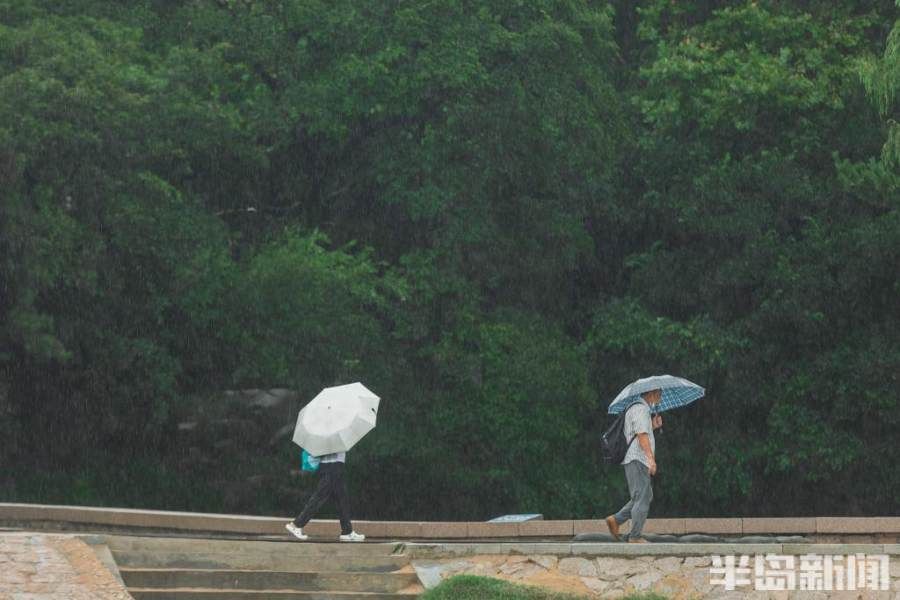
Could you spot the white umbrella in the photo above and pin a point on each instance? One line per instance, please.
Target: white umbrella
(336, 419)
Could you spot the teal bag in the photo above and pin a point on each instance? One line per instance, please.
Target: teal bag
(309, 463)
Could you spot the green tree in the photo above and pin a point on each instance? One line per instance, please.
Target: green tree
(495, 214)
(882, 80)
(97, 244)
(750, 177)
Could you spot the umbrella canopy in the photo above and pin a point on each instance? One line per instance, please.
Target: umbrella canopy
(336, 419)
(676, 392)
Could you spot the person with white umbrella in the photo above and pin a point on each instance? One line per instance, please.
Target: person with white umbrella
(330, 425)
(642, 401)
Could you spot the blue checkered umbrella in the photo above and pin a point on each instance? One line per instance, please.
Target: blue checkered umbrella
(676, 392)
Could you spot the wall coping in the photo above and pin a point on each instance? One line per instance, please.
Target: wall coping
(11, 513)
(420, 551)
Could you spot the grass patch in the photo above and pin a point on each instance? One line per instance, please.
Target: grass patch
(471, 587)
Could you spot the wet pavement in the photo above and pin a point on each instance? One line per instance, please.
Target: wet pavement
(53, 567)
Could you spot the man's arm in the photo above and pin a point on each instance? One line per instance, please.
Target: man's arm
(644, 441)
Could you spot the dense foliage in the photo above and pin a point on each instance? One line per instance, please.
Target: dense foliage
(495, 214)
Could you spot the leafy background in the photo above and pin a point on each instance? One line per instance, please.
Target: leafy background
(495, 214)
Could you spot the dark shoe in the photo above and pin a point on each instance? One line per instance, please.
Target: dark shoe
(639, 540)
(613, 527)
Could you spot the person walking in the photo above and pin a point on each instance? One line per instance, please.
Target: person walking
(640, 466)
(331, 485)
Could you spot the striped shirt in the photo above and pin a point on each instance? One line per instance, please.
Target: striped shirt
(637, 420)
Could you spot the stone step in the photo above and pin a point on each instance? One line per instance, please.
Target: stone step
(258, 561)
(287, 547)
(212, 594)
(263, 580)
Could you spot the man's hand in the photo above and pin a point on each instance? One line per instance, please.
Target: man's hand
(652, 467)
(657, 421)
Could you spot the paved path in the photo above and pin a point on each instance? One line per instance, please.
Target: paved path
(52, 567)
(877, 530)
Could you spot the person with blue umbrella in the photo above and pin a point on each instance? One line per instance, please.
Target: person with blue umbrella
(642, 402)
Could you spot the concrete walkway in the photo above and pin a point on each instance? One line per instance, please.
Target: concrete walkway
(883, 530)
(54, 567)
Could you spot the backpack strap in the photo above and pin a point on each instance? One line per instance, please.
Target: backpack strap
(623, 416)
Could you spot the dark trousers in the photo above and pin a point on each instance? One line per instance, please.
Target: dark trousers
(331, 485)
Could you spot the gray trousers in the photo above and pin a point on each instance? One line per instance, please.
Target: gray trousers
(641, 491)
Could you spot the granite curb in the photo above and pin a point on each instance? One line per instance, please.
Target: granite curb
(416, 550)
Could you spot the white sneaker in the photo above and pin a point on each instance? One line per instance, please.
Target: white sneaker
(297, 532)
(353, 537)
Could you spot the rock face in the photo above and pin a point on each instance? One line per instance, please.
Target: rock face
(578, 566)
(239, 443)
(548, 562)
(273, 398)
(613, 569)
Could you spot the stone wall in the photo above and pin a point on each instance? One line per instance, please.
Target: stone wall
(676, 577)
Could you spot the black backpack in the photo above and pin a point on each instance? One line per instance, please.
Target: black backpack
(612, 443)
